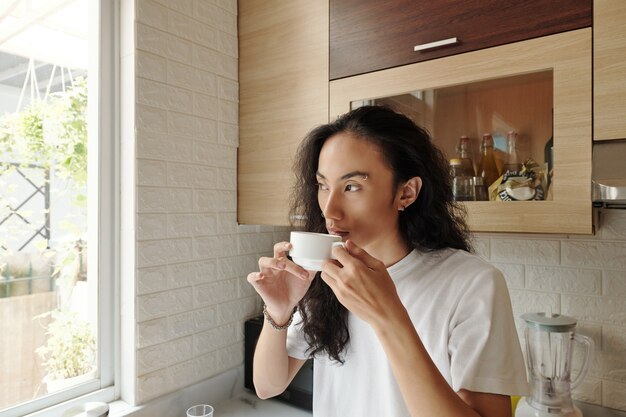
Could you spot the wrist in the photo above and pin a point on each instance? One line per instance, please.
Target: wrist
(280, 314)
(278, 321)
(393, 320)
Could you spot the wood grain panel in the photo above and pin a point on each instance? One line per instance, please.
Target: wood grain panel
(370, 35)
(523, 103)
(568, 56)
(609, 69)
(530, 217)
(283, 82)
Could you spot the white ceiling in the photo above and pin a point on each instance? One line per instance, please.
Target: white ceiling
(51, 32)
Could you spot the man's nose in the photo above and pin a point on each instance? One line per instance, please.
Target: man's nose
(332, 207)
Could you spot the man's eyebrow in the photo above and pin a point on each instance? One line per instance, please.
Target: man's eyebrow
(351, 174)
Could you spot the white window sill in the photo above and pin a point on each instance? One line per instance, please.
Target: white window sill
(121, 408)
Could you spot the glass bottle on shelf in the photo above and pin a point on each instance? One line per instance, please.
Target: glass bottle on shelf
(455, 167)
(548, 154)
(488, 168)
(480, 191)
(512, 162)
(464, 152)
(462, 185)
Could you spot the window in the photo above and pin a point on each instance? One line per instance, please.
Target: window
(58, 222)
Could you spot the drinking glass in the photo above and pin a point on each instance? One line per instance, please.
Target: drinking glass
(463, 188)
(480, 190)
(200, 410)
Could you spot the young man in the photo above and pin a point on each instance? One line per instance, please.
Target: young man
(406, 322)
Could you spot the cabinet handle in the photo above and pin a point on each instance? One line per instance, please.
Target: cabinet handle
(430, 45)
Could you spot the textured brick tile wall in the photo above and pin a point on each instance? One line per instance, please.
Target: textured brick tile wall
(191, 256)
(583, 277)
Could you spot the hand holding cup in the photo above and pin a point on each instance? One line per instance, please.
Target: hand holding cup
(310, 250)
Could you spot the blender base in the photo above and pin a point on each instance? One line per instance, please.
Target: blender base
(526, 410)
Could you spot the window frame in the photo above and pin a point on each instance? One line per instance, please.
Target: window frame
(103, 92)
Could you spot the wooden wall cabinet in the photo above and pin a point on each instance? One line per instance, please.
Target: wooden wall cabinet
(609, 69)
(371, 35)
(285, 92)
(283, 84)
(564, 60)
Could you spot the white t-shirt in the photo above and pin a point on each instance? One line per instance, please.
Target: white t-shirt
(460, 307)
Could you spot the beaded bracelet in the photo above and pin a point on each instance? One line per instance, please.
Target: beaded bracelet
(271, 321)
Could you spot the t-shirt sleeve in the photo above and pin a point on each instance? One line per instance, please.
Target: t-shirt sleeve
(484, 349)
(296, 344)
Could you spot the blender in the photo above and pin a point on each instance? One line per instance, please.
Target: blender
(549, 345)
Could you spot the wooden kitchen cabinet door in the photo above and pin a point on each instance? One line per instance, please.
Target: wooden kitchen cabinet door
(609, 69)
(370, 35)
(553, 77)
(283, 93)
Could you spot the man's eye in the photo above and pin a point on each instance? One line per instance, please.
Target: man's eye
(352, 187)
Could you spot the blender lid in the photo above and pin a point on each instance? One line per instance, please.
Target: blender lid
(551, 322)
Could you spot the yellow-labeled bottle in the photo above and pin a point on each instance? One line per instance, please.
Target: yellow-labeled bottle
(488, 168)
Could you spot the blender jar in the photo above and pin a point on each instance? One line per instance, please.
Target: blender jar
(549, 347)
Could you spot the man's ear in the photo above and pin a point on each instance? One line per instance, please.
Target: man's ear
(408, 192)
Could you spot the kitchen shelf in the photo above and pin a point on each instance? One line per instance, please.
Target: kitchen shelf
(522, 103)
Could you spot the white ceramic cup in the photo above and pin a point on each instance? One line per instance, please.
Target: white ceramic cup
(200, 410)
(310, 250)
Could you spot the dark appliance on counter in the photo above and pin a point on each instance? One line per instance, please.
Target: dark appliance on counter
(300, 392)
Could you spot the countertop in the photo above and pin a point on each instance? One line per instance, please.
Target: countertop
(247, 404)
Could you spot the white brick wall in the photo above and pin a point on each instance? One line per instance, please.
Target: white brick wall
(191, 257)
(580, 276)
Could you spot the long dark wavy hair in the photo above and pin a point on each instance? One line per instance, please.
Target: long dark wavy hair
(434, 221)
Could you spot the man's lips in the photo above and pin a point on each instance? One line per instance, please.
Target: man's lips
(338, 232)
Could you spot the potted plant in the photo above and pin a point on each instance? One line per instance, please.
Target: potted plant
(70, 350)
